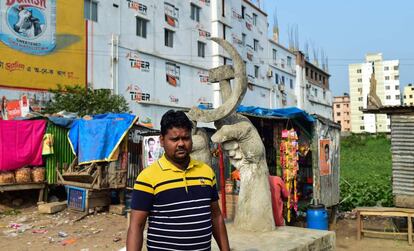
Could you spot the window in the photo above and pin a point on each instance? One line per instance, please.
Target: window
(141, 27)
(311, 74)
(223, 8)
(201, 49)
(405, 96)
(387, 87)
(274, 53)
(338, 114)
(397, 87)
(386, 68)
(360, 108)
(254, 19)
(359, 71)
(224, 31)
(360, 98)
(346, 105)
(256, 71)
(396, 77)
(339, 122)
(411, 103)
(283, 80)
(362, 117)
(255, 44)
(307, 71)
(387, 77)
(244, 39)
(411, 96)
(388, 97)
(360, 90)
(359, 80)
(397, 97)
(362, 127)
(315, 92)
(195, 13)
(396, 68)
(243, 9)
(338, 106)
(289, 61)
(276, 78)
(168, 37)
(91, 10)
(291, 83)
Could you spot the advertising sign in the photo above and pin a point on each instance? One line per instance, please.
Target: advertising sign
(42, 43)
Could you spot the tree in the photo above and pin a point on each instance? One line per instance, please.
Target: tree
(85, 101)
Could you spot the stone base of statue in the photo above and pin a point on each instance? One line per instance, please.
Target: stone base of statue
(282, 239)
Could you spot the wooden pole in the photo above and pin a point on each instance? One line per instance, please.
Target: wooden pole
(222, 183)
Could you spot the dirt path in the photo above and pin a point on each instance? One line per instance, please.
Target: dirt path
(106, 231)
(346, 238)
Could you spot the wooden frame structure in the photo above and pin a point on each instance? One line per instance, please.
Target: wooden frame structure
(93, 176)
(387, 212)
(25, 186)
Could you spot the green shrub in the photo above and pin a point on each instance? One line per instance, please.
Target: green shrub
(365, 171)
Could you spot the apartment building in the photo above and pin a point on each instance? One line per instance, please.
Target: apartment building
(341, 112)
(408, 98)
(312, 87)
(386, 73)
(157, 55)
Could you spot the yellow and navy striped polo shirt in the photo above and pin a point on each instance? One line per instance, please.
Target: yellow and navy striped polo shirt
(179, 204)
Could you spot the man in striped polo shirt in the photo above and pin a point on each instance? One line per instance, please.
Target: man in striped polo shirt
(178, 196)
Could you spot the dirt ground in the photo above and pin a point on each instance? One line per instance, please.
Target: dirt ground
(26, 229)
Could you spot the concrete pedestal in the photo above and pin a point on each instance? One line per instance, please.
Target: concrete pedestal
(282, 239)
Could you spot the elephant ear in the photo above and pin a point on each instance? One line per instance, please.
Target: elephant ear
(233, 100)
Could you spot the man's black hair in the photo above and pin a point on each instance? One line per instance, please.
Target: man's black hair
(176, 119)
(151, 139)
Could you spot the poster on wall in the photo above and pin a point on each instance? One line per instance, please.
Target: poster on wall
(42, 43)
(324, 157)
(152, 150)
(172, 74)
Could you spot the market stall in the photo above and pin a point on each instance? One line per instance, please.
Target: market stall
(304, 150)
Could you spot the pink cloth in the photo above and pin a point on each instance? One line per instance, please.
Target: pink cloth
(278, 192)
(21, 143)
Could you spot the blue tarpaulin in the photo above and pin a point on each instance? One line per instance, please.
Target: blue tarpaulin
(97, 139)
(289, 113)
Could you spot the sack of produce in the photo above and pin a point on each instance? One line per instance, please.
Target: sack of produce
(23, 175)
(7, 178)
(38, 174)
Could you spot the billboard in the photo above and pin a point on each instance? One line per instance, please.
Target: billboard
(42, 43)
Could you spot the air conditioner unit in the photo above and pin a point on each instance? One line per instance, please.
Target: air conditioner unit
(281, 88)
(269, 73)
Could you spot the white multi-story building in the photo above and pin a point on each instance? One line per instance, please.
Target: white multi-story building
(312, 87)
(409, 95)
(157, 55)
(386, 74)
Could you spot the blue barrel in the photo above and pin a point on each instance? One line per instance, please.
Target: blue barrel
(317, 217)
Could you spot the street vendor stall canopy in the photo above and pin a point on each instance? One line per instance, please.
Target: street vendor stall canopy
(96, 139)
(289, 112)
(298, 117)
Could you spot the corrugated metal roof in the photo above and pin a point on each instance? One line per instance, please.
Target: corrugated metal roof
(402, 141)
(391, 109)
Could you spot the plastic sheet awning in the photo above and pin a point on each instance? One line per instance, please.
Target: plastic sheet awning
(287, 113)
